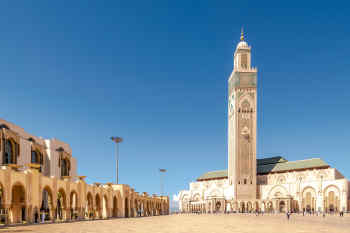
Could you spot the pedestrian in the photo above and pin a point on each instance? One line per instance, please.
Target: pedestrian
(43, 217)
(36, 216)
(288, 215)
(324, 215)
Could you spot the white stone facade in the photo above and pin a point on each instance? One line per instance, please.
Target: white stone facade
(310, 190)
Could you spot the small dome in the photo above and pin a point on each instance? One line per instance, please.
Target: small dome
(242, 44)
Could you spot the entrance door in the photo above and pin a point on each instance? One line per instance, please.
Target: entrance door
(282, 206)
(23, 213)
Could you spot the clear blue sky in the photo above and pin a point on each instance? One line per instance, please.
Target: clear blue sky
(156, 74)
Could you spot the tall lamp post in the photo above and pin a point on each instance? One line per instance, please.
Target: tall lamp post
(117, 140)
(161, 180)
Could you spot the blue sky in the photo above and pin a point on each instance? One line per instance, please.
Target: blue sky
(156, 74)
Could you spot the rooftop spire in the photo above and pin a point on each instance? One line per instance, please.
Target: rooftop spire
(242, 34)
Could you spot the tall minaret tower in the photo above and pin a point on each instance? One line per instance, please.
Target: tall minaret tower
(242, 124)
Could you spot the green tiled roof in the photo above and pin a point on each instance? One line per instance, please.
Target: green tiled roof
(292, 165)
(273, 164)
(213, 175)
(276, 159)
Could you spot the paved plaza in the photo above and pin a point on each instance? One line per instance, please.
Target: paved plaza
(190, 223)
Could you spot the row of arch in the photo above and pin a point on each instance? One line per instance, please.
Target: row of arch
(278, 200)
(66, 206)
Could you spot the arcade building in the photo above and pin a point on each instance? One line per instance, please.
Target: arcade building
(39, 183)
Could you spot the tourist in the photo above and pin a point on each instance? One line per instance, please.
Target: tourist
(36, 216)
(288, 215)
(43, 217)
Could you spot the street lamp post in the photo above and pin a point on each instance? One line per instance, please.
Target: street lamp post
(161, 181)
(117, 140)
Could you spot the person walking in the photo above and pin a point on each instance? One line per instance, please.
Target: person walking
(288, 215)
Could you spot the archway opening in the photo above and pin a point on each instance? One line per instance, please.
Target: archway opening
(46, 208)
(89, 207)
(282, 206)
(3, 211)
(249, 207)
(18, 206)
(331, 200)
(74, 211)
(61, 205)
(217, 206)
(98, 206)
(126, 207)
(115, 207)
(242, 207)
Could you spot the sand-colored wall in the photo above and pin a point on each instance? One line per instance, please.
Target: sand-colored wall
(33, 183)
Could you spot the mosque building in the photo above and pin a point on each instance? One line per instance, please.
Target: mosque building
(269, 184)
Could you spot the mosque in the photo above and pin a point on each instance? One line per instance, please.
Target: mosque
(269, 184)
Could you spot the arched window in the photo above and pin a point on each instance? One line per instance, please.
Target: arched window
(35, 157)
(9, 153)
(244, 61)
(65, 167)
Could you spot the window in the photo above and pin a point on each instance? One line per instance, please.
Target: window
(9, 155)
(37, 158)
(244, 61)
(65, 167)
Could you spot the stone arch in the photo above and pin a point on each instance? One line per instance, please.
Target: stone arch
(332, 198)
(4, 126)
(185, 197)
(61, 206)
(89, 206)
(2, 196)
(136, 207)
(277, 191)
(97, 205)
(282, 206)
(246, 98)
(47, 204)
(126, 207)
(215, 193)
(242, 207)
(18, 210)
(235, 206)
(249, 207)
(256, 206)
(115, 207)
(74, 204)
(269, 207)
(309, 197)
(196, 196)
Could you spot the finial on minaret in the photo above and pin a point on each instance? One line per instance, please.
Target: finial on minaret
(242, 34)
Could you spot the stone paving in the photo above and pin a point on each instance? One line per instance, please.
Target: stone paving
(242, 223)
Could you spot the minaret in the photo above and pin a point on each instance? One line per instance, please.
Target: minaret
(242, 106)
